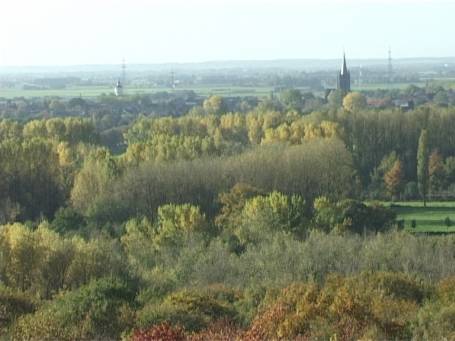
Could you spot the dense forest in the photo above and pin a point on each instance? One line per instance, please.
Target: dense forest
(259, 223)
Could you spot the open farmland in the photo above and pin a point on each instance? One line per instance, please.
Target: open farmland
(431, 219)
(95, 91)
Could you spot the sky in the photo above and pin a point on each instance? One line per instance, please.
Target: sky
(77, 32)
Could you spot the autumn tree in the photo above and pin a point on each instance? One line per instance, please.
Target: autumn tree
(214, 105)
(354, 101)
(422, 165)
(436, 172)
(393, 179)
(233, 203)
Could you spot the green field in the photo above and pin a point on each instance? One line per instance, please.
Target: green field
(94, 91)
(215, 89)
(375, 86)
(428, 219)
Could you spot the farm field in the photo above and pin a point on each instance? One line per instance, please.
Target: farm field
(375, 86)
(206, 90)
(94, 91)
(428, 219)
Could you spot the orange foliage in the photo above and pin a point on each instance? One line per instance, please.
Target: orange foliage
(222, 330)
(161, 332)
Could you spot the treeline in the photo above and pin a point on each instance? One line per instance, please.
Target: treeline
(359, 153)
(38, 161)
(312, 169)
(375, 138)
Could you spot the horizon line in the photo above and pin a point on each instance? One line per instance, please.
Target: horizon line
(222, 61)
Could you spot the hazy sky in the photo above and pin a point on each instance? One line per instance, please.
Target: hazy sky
(59, 32)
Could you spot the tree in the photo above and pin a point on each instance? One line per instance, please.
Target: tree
(449, 170)
(176, 222)
(394, 179)
(354, 101)
(13, 304)
(274, 212)
(292, 99)
(93, 180)
(422, 165)
(214, 105)
(335, 99)
(378, 186)
(67, 219)
(436, 172)
(99, 310)
(233, 203)
(441, 98)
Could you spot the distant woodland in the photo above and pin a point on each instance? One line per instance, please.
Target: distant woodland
(162, 217)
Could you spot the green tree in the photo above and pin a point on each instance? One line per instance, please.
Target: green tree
(422, 165)
(274, 212)
(175, 222)
(292, 99)
(67, 219)
(449, 170)
(99, 310)
(441, 98)
(335, 99)
(138, 243)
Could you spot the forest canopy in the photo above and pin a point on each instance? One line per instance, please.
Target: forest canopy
(266, 223)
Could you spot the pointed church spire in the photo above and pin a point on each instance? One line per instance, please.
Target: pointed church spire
(344, 68)
(344, 77)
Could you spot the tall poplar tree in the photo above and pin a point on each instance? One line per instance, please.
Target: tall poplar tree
(422, 165)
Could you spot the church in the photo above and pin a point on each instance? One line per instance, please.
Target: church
(344, 78)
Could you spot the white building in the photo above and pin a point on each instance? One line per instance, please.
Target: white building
(118, 89)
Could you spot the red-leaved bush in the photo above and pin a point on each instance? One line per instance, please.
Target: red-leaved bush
(160, 332)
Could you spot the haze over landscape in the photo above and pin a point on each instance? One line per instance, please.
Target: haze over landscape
(54, 32)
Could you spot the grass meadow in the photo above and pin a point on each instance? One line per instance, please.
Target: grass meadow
(95, 91)
(430, 219)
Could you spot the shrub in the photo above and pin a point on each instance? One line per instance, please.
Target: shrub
(351, 215)
(100, 309)
(67, 219)
(436, 319)
(13, 305)
(162, 332)
(192, 310)
(380, 305)
(222, 330)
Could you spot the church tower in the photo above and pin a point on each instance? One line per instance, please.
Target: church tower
(344, 78)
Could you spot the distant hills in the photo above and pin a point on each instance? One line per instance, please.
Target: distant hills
(310, 65)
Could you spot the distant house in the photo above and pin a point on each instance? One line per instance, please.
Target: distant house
(404, 105)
